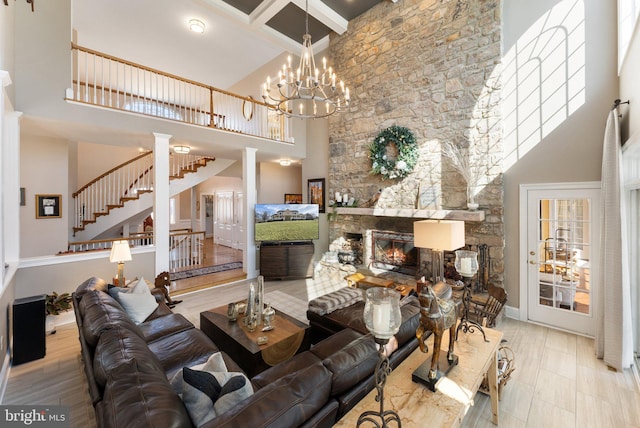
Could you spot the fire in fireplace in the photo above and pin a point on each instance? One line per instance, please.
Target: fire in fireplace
(394, 251)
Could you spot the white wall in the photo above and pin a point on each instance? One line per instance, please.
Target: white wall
(44, 169)
(570, 145)
(630, 90)
(96, 159)
(65, 273)
(7, 17)
(276, 180)
(316, 165)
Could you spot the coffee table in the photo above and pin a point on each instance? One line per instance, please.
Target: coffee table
(288, 337)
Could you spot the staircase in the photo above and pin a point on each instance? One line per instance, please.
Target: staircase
(125, 193)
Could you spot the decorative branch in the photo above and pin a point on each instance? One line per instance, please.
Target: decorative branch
(460, 162)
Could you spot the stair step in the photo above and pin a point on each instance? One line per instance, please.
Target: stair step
(111, 207)
(128, 198)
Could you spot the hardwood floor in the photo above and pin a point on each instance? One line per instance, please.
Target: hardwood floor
(214, 255)
(557, 381)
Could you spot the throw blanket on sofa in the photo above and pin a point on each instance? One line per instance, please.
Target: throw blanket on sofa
(338, 299)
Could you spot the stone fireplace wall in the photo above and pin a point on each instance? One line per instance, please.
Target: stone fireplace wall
(432, 66)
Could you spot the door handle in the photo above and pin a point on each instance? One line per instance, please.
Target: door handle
(532, 262)
(533, 253)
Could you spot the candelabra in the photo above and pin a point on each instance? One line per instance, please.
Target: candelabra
(382, 317)
(467, 265)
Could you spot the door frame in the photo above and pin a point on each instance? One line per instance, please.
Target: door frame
(523, 230)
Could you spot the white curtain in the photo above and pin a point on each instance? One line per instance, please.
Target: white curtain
(614, 342)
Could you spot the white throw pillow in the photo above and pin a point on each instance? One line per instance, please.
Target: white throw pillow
(138, 305)
(139, 287)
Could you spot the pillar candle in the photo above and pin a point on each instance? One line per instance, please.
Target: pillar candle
(381, 317)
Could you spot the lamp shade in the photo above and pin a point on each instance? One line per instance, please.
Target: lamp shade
(120, 252)
(446, 235)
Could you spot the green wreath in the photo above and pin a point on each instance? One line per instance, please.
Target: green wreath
(406, 160)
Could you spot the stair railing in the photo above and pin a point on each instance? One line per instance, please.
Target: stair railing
(126, 182)
(107, 191)
(186, 250)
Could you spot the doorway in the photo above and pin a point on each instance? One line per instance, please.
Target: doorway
(560, 243)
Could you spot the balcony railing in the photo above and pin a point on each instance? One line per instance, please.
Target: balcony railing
(106, 81)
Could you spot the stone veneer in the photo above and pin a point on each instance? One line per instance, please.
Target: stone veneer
(432, 66)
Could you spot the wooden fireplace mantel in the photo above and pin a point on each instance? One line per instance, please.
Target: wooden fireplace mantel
(412, 213)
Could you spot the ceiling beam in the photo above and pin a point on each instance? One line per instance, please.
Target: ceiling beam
(266, 10)
(324, 14)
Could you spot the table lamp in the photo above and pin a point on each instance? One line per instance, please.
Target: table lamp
(120, 253)
(439, 236)
(383, 318)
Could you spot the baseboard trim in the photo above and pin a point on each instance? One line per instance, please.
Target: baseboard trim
(4, 375)
(512, 312)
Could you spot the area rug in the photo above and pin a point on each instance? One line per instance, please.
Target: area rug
(290, 305)
(205, 270)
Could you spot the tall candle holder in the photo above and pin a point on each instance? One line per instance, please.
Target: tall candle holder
(382, 317)
(467, 266)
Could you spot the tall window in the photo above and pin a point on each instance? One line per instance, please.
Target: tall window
(627, 17)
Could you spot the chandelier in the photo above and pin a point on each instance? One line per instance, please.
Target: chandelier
(306, 92)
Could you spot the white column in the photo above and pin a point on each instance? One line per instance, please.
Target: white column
(250, 200)
(161, 197)
(9, 180)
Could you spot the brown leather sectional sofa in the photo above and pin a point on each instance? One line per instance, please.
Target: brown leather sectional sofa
(128, 367)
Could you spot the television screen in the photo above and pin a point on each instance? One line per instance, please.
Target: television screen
(287, 222)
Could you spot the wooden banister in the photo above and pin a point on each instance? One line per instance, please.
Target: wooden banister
(115, 168)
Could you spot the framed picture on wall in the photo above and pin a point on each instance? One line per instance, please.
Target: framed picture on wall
(315, 192)
(48, 206)
(293, 198)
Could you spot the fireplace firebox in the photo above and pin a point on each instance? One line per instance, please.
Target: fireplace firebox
(394, 251)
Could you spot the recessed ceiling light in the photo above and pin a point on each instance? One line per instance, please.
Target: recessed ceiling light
(196, 26)
(182, 149)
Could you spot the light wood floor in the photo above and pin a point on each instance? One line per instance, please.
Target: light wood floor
(557, 382)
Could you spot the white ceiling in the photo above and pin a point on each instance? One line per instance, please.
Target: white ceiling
(155, 33)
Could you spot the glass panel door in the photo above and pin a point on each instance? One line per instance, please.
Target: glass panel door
(561, 242)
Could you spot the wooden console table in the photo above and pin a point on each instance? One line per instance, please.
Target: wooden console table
(417, 406)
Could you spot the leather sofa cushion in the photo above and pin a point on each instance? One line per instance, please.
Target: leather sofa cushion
(352, 317)
(101, 312)
(91, 284)
(272, 374)
(410, 320)
(334, 343)
(352, 364)
(184, 349)
(136, 398)
(116, 347)
(287, 402)
(155, 328)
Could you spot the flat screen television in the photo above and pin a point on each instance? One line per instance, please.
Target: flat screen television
(287, 222)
